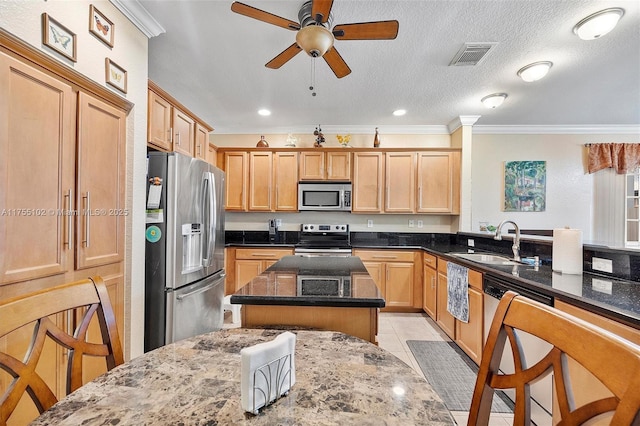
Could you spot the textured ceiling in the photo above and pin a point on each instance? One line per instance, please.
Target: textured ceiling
(212, 60)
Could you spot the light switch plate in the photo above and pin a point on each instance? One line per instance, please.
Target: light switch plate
(471, 242)
(411, 223)
(420, 224)
(369, 223)
(602, 265)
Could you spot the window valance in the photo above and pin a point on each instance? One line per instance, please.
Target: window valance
(622, 157)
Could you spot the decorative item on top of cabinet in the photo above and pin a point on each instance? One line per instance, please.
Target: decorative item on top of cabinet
(319, 137)
(262, 143)
(171, 126)
(376, 140)
(325, 165)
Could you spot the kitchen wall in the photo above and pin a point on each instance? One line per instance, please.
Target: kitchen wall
(572, 199)
(130, 51)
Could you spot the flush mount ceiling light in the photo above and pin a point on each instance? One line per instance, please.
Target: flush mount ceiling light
(315, 40)
(534, 71)
(494, 100)
(399, 112)
(598, 24)
(264, 112)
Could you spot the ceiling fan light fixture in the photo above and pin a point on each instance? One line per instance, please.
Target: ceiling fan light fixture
(315, 40)
(494, 100)
(598, 24)
(534, 71)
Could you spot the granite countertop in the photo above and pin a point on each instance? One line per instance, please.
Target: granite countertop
(312, 281)
(339, 380)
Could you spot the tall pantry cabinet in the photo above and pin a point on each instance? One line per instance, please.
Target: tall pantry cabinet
(62, 193)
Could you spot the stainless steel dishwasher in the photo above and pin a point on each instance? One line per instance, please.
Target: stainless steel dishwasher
(534, 349)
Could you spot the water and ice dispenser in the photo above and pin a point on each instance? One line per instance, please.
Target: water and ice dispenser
(191, 247)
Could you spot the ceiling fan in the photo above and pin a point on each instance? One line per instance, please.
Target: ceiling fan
(313, 34)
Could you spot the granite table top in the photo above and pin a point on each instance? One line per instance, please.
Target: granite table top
(312, 281)
(340, 380)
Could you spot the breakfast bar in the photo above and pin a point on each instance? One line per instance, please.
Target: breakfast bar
(322, 292)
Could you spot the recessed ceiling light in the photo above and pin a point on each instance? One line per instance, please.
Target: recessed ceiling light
(494, 100)
(598, 24)
(534, 71)
(264, 112)
(399, 112)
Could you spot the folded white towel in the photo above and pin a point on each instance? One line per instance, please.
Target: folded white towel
(458, 291)
(268, 371)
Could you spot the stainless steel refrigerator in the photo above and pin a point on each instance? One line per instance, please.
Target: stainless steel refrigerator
(184, 283)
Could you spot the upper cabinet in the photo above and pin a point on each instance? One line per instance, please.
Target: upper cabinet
(438, 182)
(236, 166)
(172, 127)
(368, 175)
(400, 182)
(325, 165)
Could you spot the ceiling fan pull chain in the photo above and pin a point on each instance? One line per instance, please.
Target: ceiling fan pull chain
(313, 76)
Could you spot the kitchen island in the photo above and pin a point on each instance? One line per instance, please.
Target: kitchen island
(327, 293)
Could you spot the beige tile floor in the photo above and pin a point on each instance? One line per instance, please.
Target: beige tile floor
(394, 329)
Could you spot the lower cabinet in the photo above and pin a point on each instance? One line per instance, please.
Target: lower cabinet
(397, 274)
(429, 288)
(244, 264)
(470, 335)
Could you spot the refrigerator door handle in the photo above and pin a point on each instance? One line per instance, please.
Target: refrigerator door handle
(209, 198)
(200, 290)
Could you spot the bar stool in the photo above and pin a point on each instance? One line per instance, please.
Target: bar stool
(235, 309)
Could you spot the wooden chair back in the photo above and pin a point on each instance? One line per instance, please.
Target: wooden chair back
(36, 308)
(611, 359)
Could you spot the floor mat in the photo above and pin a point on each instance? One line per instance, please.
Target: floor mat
(452, 374)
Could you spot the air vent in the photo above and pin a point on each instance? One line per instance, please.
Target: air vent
(471, 54)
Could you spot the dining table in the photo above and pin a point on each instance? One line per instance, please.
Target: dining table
(340, 380)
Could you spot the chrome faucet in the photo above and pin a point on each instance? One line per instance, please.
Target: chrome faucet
(516, 241)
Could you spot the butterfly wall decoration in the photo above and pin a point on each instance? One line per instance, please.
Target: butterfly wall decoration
(100, 26)
(59, 38)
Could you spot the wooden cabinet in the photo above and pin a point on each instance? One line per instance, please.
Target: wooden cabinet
(438, 182)
(236, 166)
(396, 274)
(249, 263)
(62, 194)
(321, 165)
(368, 180)
(429, 288)
(470, 335)
(400, 182)
(261, 181)
(101, 183)
(172, 127)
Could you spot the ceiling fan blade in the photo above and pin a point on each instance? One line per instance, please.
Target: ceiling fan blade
(322, 8)
(380, 30)
(261, 15)
(283, 57)
(336, 63)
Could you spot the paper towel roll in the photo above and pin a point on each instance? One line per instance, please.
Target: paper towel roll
(567, 251)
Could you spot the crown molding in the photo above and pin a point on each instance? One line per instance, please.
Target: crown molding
(462, 120)
(337, 128)
(139, 16)
(623, 129)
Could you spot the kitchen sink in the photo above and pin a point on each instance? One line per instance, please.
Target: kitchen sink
(486, 258)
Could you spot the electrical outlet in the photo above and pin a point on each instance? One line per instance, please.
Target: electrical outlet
(278, 223)
(602, 265)
(369, 223)
(471, 243)
(411, 223)
(420, 224)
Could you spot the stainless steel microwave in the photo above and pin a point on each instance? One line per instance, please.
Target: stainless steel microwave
(324, 196)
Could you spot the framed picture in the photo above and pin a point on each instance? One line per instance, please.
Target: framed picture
(115, 75)
(100, 26)
(525, 185)
(58, 37)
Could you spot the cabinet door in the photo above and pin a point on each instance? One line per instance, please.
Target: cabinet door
(312, 166)
(445, 320)
(435, 182)
(183, 132)
(37, 173)
(375, 269)
(201, 149)
(237, 174)
(285, 176)
(246, 270)
(101, 183)
(338, 165)
(400, 182)
(212, 155)
(399, 284)
(429, 291)
(260, 181)
(159, 122)
(368, 174)
(469, 336)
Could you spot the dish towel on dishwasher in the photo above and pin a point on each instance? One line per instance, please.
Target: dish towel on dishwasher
(458, 291)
